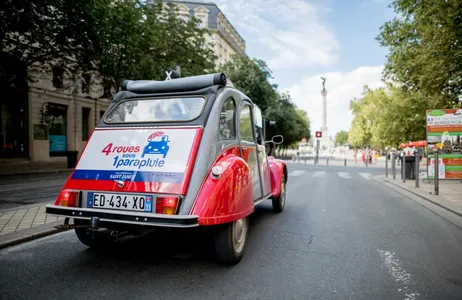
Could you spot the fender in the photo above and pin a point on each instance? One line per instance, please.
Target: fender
(277, 168)
(226, 198)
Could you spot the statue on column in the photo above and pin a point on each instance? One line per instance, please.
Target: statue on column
(323, 83)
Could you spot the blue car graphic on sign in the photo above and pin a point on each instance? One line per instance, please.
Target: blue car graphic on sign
(157, 144)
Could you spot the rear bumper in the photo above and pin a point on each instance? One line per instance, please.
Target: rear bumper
(138, 218)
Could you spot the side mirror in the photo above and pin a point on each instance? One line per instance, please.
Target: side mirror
(277, 139)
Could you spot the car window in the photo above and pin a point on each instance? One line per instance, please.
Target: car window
(227, 120)
(156, 110)
(245, 125)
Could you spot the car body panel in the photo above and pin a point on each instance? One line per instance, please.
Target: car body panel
(227, 197)
(117, 154)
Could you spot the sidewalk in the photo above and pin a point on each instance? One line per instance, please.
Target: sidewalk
(450, 191)
(23, 167)
(26, 223)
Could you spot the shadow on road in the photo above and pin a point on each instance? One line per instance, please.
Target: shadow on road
(166, 246)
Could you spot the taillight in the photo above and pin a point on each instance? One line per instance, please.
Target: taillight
(67, 198)
(166, 205)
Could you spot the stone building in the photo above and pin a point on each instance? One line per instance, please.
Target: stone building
(221, 32)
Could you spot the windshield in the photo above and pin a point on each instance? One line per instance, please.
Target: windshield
(156, 110)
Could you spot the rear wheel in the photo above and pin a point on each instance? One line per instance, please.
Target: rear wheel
(280, 201)
(230, 241)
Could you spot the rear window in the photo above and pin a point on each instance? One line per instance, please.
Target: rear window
(156, 110)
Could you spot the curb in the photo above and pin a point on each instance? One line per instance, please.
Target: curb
(27, 235)
(20, 174)
(423, 197)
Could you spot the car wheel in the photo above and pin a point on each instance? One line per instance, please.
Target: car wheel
(230, 241)
(280, 201)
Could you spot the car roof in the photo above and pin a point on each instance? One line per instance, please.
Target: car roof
(209, 86)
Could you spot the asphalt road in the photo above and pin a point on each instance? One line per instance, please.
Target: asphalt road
(26, 190)
(342, 236)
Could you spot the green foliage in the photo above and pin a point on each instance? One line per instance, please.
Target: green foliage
(140, 41)
(251, 77)
(34, 34)
(387, 117)
(425, 47)
(341, 138)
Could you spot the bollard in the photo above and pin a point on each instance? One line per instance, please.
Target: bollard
(386, 165)
(437, 187)
(416, 171)
(393, 165)
(305, 160)
(344, 162)
(327, 161)
(403, 169)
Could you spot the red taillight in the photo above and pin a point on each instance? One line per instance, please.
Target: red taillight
(166, 205)
(67, 198)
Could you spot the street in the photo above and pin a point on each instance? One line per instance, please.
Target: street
(342, 235)
(26, 190)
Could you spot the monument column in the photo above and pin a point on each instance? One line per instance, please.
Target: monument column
(324, 108)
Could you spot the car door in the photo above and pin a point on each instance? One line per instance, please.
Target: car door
(261, 150)
(248, 145)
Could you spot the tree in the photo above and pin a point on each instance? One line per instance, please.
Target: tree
(425, 47)
(387, 117)
(35, 34)
(341, 138)
(140, 40)
(251, 77)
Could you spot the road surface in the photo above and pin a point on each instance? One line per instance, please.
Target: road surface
(342, 236)
(27, 190)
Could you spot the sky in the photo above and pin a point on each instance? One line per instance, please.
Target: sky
(302, 40)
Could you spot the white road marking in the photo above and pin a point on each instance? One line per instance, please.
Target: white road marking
(296, 173)
(366, 175)
(344, 174)
(319, 174)
(400, 275)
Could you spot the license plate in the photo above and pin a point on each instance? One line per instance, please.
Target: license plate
(141, 203)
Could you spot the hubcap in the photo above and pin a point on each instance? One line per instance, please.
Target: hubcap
(239, 234)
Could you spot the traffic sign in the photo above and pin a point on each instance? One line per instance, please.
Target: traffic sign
(318, 142)
(318, 134)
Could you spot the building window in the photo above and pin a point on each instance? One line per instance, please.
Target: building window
(85, 123)
(57, 129)
(86, 78)
(245, 125)
(58, 77)
(227, 120)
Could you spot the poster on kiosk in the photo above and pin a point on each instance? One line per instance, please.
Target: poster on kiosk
(444, 132)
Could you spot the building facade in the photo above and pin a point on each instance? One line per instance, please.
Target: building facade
(221, 33)
(43, 120)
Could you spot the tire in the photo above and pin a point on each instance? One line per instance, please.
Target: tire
(280, 201)
(230, 241)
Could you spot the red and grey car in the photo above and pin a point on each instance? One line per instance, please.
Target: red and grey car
(179, 153)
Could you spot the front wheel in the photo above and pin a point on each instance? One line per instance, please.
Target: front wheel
(280, 201)
(230, 241)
